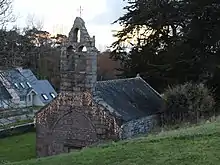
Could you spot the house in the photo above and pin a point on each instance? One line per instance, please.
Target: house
(20, 88)
(87, 111)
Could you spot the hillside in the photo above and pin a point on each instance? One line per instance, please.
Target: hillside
(196, 145)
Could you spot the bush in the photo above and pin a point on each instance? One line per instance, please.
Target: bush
(188, 102)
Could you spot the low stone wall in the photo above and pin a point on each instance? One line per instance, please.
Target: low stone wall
(10, 120)
(14, 115)
(17, 112)
(24, 128)
(139, 126)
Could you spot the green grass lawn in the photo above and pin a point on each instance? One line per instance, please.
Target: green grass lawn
(198, 145)
(17, 148)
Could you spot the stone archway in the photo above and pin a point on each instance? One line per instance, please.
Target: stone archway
(72, 131)
(77, 35)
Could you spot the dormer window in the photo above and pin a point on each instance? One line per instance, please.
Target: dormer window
(16, 85)
(28, 84)
(22, 85)
(52, 95)
(45, 96)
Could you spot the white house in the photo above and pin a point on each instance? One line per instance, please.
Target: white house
(20, 88)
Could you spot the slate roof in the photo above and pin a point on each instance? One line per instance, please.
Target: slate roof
(21, 77)
(44, 87)
(15, 77)
(28, 74)
(128, 98)
(4, 93)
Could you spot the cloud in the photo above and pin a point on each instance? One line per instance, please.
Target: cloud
(58, 12)
(58, 16)
(113, 12)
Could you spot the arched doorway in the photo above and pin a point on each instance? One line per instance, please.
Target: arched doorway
(73, 131)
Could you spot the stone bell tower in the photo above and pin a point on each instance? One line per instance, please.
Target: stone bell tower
(78, 60)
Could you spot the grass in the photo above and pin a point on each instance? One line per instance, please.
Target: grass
(17, 148)
(199, 145)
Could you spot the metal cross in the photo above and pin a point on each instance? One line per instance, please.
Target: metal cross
(80, 11)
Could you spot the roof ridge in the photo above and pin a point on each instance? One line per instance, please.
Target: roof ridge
(157, 93)
(133, 78)
(116, 80)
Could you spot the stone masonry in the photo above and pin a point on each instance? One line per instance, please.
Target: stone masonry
(78, 67)
(73, 120)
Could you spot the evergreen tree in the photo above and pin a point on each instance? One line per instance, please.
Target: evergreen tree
(174, 41)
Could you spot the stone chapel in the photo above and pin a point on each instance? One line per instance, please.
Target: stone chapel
(87, 111)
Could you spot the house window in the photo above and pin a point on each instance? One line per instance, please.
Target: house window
(52, 95)
(16, 85)
(28, 84)
(22, 85)
(45, 96)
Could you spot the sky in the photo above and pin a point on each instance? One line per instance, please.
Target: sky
(58, 16)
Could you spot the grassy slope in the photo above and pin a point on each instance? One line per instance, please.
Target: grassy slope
(198, 145)
(17, 148)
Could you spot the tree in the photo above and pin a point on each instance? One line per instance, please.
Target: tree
(172, 41)
(6, 14)
(29, 49)
(14, 48)
(34, 23)
(106, 67)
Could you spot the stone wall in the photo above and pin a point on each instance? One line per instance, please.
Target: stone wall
(18, 111)
(139, 126)
(14, 115)
(73, 121)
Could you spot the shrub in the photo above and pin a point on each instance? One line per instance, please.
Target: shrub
(188, 102)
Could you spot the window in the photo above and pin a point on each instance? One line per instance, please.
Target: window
(45, 96)
(16, 85)
(22, 85)
(28, 84)
(72, 148)
(22, 98)
(52, 95)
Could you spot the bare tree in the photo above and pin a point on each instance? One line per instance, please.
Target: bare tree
(33, 22)
(6, 12)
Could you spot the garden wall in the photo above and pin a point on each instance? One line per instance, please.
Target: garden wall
(139, 126)
(17, 130)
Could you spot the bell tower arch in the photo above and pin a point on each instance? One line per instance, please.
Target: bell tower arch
(78, 60)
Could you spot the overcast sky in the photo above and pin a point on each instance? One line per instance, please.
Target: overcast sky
(58, 16)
